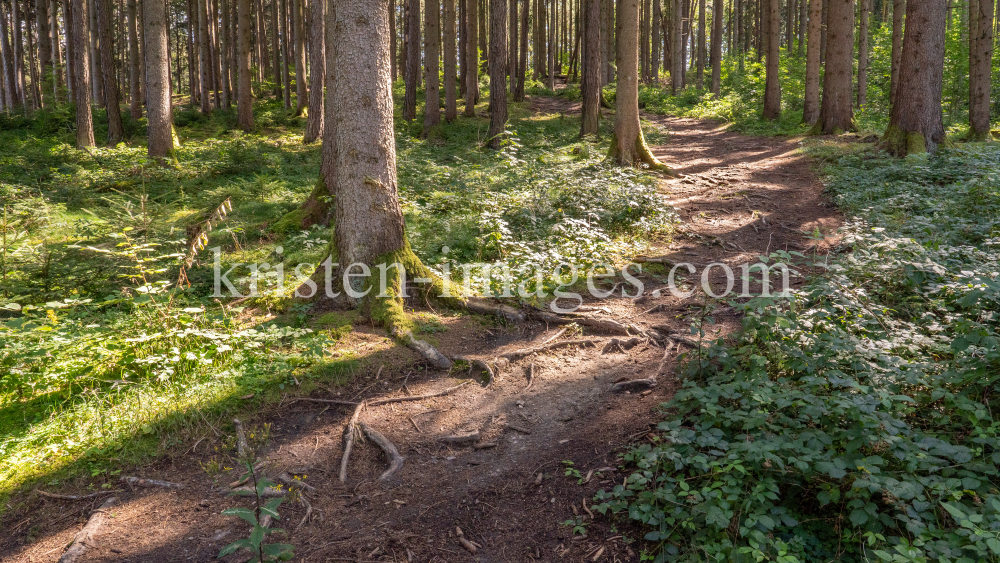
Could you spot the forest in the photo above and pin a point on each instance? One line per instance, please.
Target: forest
(499, 280)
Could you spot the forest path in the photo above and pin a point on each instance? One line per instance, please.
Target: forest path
(739, 197)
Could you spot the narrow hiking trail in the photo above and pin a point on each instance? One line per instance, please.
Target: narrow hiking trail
(739, 197)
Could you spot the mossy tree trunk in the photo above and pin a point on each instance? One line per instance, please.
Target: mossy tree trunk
(916, 123)
(628, 146)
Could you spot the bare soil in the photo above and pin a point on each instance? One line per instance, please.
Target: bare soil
(738, 197)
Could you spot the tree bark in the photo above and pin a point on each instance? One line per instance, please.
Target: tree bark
(328, 157)
(498, 73)
(472, 52)
(84, 119)
(772, 86)
(158, 109)
(898, 12)
(204, 59)
(980, 65)
(134, 81)
(810, 109)
(700, 73)
(317, 69)
(286, 75)
(717, 32)
(677, 50)
(44, 40)
(837, 110)
(628, 146)
(112, 99)
(450, 98)
(865, 7)
(19, 72)
(645, 7)
(432, 91)
(657, 43)
(916, 123)
(551, 67)
(298, 34)
(244, 102)
(522, 64)
(275, 49)
(224, 54)
(590, 84)
(412, 72)
(7, 54)
(512, 44)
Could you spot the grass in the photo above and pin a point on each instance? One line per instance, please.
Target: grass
(107, 362)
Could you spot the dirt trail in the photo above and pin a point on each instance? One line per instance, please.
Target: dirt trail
(739, 197)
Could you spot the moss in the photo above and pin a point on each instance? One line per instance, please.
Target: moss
(314, 210)
(339, 323)
(903, 143)
(642, 154)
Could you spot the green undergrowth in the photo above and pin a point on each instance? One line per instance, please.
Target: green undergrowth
(106, 359)
(854, 421)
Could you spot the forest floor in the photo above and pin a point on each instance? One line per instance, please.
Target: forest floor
(512, 489)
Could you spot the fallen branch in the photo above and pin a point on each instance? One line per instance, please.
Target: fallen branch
(465, 543)
(269, 492)
(562, 344)
(85, 537)
(309, 511)
(461, 438)
(417, 397)
(531, 376)
(622, 345)
(519, 429)
(349, 433)
(242, 448)
(74, 497)
(138, 482)
(395, 460)
(632, 385)
(554, 336)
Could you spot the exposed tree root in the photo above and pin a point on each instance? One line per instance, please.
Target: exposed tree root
(395, 460)
(471, 546)
(632, 385)
(74, 497)
(606, 325)
(531, 376)
(137, 482)
(417, 397)
(485, 307)
(325, 401)
(428, 352)
(350, 431)
(242, 448)
(622, 345)
(286, 479)
(519, 429)
(269, 492)
(309, 511)
(479, 364)
(554, 337)
(85, 537)
(518, 354)
(461, 438)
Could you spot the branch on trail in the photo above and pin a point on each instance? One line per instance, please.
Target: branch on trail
(461, 438)
(309, 511)
(417, 397)
(632, 385)
(606, 325)
(465, 543)
(269, 492)
(479, 364)
(85, 537)
(395, 460)
(531, 376)
(349, 433)
(74, 497)
(242, 448)
(621, 345)
(518, 354)
(139, 482)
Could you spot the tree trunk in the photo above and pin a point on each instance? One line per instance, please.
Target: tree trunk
(275, 49)
(657, 43)
(412, 72)
(317, 69)
(328, 156)
(57, 58)
(677, 49)
(772, 87)
(810, 109)
(498, 74)
(916, 124)
(96, 84)
(645, 7)
(898, 11)
(450, 59)
(225, 48)
(513, 18)
(432, 91)
(462, 49)
(7, 54)
(298, 34)
(286, 75)
(472, 52)
(522, 64)
(980, 65)
(701, 43)
(717, 32)
(837, 111)
(115, 128)
(590, 84)
(84, 119)
(865, 6)
(244, 101)
(45, 50)
(551, 72)
(607, 41)
(135, 95)
(628, 146)
(204, 59)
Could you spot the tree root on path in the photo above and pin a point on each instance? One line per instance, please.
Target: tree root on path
(633, 384)
(622, 345)
(85, 537)
(479, 364)
(350, 431)
(518, 354)
(461, 438)
(531, 376)
(74, 497)
(395, 460)
(139, 482)
(309, 511)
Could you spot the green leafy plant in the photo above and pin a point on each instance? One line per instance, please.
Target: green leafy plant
(259, 517)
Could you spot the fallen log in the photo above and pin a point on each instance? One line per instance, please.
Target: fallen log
(85, 537)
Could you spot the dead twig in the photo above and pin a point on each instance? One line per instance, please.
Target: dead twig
(242, 448)
(85, 537)
(75, 497)
(309, 511)
(471, 547)
(138, 482)
(461, 438)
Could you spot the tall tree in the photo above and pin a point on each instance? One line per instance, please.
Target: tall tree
(837, 111)
(317, 69)
(225, 53)
(45, 50)
(298, 35)
(204, 58)
(498, 72)
(472, 53)
(898, 12)
(590, 86)
(550, 75)
(522, 62)
(980, 65)
(676, 49)
(286, 75)
(628, 145)
(916, 123)
(7, 55)
(19, 72)
(412, 72)
(275, 49)
(450, 98)
(810, 109)
(718, 21)
(244, 100)
(111, 96)
(772, 85)
(158, 109)
(135, 79)
(864, 7)
(84, 119)
(432, 92)
(700, 72)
